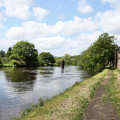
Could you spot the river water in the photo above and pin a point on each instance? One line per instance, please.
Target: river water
(21, 87)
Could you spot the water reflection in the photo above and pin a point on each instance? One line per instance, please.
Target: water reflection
(21, 79)
(21, 87)
(46, 71)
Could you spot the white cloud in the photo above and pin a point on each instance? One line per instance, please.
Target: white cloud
(18, 8)
(78, 44)
(109, 21)
(59, 45)
(71, 36)
(79, 25)
(32, 30)
(48, 43)
(4, 44)
(56, 38)
(40, 13)
(84, 7)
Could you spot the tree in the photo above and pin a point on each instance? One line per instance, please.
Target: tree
(2, 53)
(9, 52)
(0, 62)
(25, 51)
(67, 59)
(46, 59)
(99, 55)
(75, 59)
(58, 61)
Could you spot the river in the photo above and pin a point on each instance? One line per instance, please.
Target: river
(22, 87)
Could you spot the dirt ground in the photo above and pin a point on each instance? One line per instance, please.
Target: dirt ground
(97, 109)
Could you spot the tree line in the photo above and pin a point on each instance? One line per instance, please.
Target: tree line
(97, 57)
(24, 54)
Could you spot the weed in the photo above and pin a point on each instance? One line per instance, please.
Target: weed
(93, 89)
(80, 112)
(41, 102)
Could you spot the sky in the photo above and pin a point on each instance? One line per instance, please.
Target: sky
(58, 26)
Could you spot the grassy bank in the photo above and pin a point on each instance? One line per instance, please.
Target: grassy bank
(113, 91)
(69, 105)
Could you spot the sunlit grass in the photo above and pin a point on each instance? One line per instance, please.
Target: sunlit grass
(113, 91)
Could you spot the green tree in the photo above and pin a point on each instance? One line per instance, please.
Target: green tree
(58, 60)
(25, 52)
(2, 53)
(0, 62)
(46, 59)
(99, 55)
(9, 52)
(74, 60)
(68, 60)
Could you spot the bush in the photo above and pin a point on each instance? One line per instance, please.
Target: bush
(46, 59)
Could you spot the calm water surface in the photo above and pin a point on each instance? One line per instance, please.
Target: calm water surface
(21, 87)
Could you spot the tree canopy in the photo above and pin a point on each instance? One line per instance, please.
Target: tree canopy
(9, 52)
(99, 55)
(25, 52)
(0, 61)
(46, 59)
(2, 53)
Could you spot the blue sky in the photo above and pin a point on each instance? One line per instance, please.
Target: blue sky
(58, 26)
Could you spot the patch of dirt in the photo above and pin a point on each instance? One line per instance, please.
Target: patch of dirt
(97, 110)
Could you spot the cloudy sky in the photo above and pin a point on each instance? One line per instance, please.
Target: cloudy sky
(58, 26)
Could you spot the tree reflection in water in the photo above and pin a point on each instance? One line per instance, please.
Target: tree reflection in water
(21, 79)
(46, 71)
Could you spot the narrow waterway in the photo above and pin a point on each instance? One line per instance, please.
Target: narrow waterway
(21, 87)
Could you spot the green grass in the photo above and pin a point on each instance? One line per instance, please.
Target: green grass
(80, 111)
(69, 105)
(93, 88)
(113, 91)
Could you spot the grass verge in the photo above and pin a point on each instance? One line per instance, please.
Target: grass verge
(113, 91)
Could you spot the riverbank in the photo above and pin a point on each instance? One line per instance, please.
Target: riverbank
(69, 105)
(113, 91)
(98, 109)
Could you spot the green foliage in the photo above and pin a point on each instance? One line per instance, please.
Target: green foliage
(41, 102)
(5, 60)
(46, 59)
(9, 52)
(58, 61)
(98, 55)
(80, 112)
(113, 91)
(0, 62)
(75, 59)
(69, 60)
(17, 63)
(93, 89)
(24, 52)
(2, 53)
